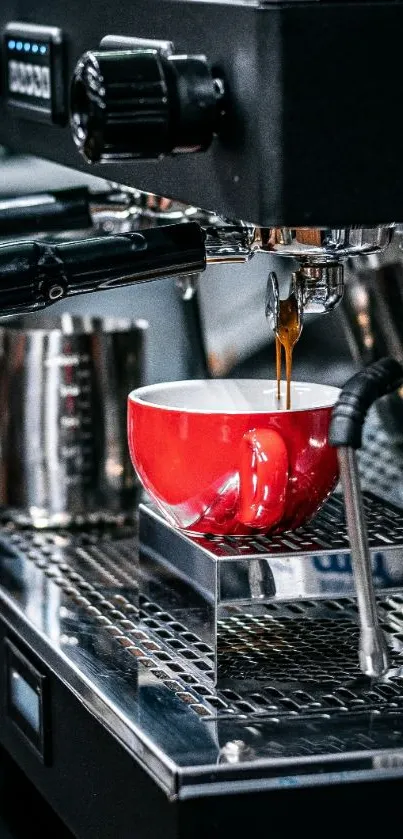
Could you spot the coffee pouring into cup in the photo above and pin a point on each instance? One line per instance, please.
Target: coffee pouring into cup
(227, 457)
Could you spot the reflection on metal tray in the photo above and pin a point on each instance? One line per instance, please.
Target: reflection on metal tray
(291, 687)
(203, 581)
(381, 456)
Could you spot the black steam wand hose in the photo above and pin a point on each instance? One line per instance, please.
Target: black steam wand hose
(33, 275)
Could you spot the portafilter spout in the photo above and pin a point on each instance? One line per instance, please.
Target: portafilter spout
(318, 278)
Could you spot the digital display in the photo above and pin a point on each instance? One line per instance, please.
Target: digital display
(34, 70)
(26, 700)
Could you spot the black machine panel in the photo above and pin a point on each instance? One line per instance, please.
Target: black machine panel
(311, 131)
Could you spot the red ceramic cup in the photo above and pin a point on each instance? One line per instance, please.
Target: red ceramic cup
(224, 457)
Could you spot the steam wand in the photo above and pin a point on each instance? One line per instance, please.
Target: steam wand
(356, 398)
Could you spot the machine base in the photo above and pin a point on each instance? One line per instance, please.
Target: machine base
(138, 739)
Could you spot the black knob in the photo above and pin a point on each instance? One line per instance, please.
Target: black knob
(142, 104)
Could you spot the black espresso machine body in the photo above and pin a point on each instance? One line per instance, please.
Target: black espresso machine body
(308, 131)
(152, 684)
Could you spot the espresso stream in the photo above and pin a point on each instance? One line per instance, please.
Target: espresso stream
(288, 333)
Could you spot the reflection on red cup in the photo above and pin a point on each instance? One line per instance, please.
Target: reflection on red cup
(225, 457)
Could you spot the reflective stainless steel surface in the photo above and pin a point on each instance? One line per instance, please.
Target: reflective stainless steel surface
(371, 318)
(316, 255)
(63, 385)
(319, 277)
(229, 243)
(373, 653)
(373, 312)
(200, 580)
(321, 286)
(324, 244)
(319, 254)
(295, 296)
(381, 457)
(308, 243)
(293, 693)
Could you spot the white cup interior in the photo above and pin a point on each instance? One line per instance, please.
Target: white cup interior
(234, 396)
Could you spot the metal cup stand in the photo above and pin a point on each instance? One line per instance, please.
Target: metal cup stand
(200, 586)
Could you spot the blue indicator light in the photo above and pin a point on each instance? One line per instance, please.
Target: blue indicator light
(27, 46)
(42, 50)
(35, 48)
(11, 45)
(19, 46)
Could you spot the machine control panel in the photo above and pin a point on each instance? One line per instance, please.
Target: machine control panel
(34, 64)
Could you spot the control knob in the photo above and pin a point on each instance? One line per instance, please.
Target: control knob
(143, 104)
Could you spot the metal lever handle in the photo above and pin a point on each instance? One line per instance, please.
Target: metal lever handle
(349, 414)
(34, 275)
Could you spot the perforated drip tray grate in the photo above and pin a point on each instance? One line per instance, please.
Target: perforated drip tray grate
(284, 664)
(316, 648)
(327, 532)
(295, 661)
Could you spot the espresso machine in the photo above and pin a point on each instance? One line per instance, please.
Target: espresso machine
(152, 682)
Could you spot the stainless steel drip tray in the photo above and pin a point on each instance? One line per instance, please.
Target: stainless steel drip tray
(291, 702)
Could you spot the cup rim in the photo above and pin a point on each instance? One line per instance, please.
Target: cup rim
(136, 396)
